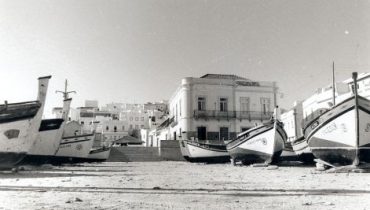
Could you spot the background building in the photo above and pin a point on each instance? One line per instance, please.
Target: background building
(217, 106)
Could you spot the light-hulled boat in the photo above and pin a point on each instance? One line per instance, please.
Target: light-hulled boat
(341, 136)
(19, 124)
(194, 151)
(262, 144)
(99, 154)
(74, 144)
(302, 150)
(49, 138)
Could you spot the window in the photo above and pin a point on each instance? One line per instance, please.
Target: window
(136, 119)
(115, 128)
(82, 122)
(107, 128)
(244, 104)
(176, 113)
(142, 118)
(131, 127)
(224, 133)
(201, 103)
(180, 107)
(265, 103)
(223, 104)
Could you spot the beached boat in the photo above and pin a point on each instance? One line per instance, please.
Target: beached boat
(98, 154)
(262, 144)
(302, 150)
(19, 123)
(204, 151)
(300, 145)
(341, 135)
(73, 148)
(49, 138)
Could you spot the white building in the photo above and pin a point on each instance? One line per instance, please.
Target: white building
(292, 121)
(217, 107)
(320, 101)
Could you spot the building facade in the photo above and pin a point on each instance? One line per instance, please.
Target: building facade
(292, 121)
(217, 107)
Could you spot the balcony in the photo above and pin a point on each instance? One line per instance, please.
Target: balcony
(240, 115)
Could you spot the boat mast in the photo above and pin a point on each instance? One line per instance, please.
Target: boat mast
(333, 86)
(65, 92)
(356, 161)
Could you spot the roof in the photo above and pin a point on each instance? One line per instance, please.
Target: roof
(128, 140)
(223, 76)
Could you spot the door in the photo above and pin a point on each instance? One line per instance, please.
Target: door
(224, 133)
(202, 133)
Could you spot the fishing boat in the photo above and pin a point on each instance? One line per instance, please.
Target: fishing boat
(19, 123)
(302, 150)
(74, 144)
(100, 150)
(48, 140)
(341, 135)
(261, 144)
(208, 152)
(98, 154)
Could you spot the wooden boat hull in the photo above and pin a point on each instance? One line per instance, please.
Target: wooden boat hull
(99, 154)
(200, 152)
(303, 151)
(73, 148)
(263, 144)
(18, 123)
(333, 138)
(46, 144)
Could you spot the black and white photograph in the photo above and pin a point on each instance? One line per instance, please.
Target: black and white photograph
(184, 104)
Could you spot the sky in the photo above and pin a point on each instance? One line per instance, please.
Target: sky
(137, 51)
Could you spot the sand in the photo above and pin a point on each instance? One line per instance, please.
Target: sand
(182, 185)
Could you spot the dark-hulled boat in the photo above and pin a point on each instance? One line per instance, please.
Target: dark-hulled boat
(341, 135)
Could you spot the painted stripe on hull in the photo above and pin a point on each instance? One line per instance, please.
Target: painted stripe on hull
(9, 160)
(221, 159)
(335, 155)
(36, 159)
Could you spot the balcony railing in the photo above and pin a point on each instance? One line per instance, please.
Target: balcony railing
(241, 115)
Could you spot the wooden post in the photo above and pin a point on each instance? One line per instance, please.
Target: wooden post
(356, 161)
(333, 86)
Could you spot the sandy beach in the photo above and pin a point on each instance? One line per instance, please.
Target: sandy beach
(182, 185)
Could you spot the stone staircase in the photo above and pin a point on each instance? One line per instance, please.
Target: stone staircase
(134, 154)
